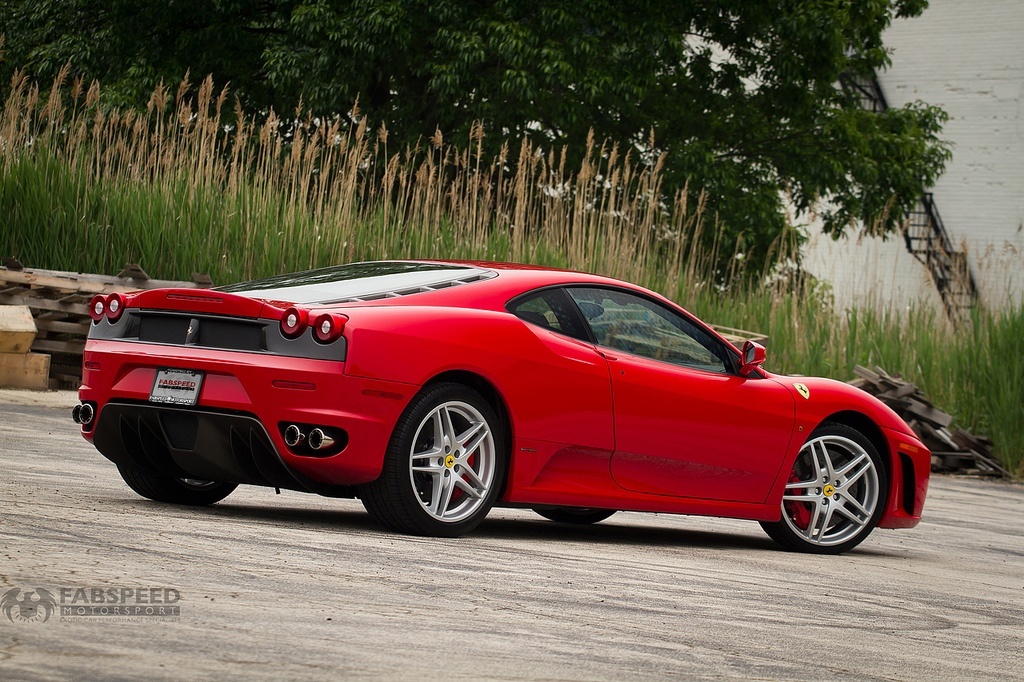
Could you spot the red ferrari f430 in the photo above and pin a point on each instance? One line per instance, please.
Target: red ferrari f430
(433, 391)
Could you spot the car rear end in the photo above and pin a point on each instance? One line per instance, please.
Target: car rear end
(219, 386)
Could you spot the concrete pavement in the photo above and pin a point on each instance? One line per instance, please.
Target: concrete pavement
(296, 586)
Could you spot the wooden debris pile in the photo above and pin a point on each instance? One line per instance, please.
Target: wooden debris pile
(956, 450)
(59, 302)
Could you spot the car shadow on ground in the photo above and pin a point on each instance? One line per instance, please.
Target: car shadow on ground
(619, 531)
(349, 516)
(616, 532)
(352, 517)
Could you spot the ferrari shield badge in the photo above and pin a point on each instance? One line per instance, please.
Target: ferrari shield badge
(803, 390)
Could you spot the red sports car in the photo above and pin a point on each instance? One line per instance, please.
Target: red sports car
(435, 390)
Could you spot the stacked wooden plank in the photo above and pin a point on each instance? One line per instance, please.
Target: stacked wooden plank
(59, 305)
(20, 368)
(956, 450)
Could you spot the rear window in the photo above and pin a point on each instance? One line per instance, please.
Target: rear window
(549, 309)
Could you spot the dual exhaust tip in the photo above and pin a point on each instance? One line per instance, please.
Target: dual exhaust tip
(83, 414)
(316, 440)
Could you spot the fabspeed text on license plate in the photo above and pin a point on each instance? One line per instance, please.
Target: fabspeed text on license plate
(176, 386)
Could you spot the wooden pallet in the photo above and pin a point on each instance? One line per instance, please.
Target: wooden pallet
(956, 450)
(59, 302)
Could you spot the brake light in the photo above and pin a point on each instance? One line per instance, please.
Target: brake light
(97, 307)
(111, 307)
(328, 327)
(294, 322)
(115, 306)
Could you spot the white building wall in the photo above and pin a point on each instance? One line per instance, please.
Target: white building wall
(968, 58)
(870, 272)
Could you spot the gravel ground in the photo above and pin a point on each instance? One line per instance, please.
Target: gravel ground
(295, 586)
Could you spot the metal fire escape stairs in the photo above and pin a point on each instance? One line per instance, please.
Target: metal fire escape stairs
(924, 234)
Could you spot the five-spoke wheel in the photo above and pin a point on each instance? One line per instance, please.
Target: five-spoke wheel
(444, 466)
(835, 493)
(452, 461)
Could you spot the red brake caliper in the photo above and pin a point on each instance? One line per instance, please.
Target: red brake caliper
(459, 492)
(798, 511)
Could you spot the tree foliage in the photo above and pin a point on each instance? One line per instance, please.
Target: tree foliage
(742, 95)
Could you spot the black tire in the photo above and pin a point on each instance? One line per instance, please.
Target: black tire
(844, 478)
(162, 488)
(576, 515)
(426, 489)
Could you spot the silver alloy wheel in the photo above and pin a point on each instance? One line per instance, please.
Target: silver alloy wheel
(835, 494)
(452, 462)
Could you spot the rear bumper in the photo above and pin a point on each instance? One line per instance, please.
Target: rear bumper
(190, 443)
(235, 431)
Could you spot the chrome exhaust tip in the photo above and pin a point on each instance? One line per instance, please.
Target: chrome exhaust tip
(85, 414)
(293, 435)
(76, 414)
(319, 440)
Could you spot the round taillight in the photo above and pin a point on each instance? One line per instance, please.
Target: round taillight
(115, 306)
(294, 322)
(97, 307)
(327, 327)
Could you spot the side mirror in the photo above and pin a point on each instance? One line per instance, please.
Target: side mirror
(753, 357)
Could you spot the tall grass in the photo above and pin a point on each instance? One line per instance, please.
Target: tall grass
(175, 189)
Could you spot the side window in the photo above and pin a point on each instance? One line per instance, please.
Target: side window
(549, 309)
(636, 325)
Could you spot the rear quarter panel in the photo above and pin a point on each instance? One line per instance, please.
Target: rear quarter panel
(555, 389)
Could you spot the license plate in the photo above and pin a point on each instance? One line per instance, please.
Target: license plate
(176, 386)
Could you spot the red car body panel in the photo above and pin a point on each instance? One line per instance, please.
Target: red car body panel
(588, 427)
(669, 426)
(909, 459)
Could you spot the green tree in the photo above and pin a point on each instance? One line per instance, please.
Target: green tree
(741, 94)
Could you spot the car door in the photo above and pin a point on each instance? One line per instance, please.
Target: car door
(564, 433)
(572, 399)
(686, 424)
